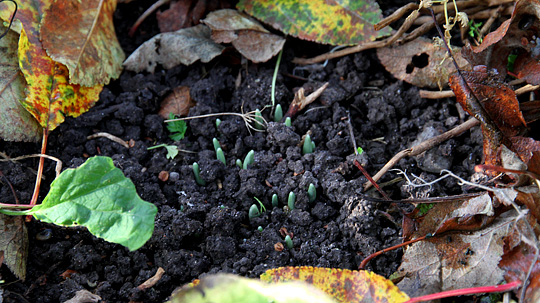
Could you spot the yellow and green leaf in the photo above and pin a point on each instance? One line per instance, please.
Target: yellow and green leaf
(336, 22)
(342, 284)
(49, 96)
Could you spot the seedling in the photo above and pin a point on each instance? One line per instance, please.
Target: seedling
(218, 122)
(259, 120)
(239, 163)
(278, 113)
(263, 209)
(221, 156)
(197, 174)
(474, 30)
(216, 144)
(275, 200)
(260, 229)
(359, 150)
(172, 150)
(312, 193)
(176, 128)
(288, 121)
(250, 159)
(291, 200)
(253, 211)
(309, 146)
(288, 242)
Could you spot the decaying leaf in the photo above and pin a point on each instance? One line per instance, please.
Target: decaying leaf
(184, 46)
(421, 63)
(17, 123)
(14, 244)
(227, 288)
(176, 17)
(246, 34)
(342, 284)
(178, 102)
(456, 260)
(80, 35)
(84, 296)
(329, 22)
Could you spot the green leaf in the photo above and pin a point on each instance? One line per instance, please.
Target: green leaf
(172, 151)
(177, 129)
(98, 196)
(338, 22)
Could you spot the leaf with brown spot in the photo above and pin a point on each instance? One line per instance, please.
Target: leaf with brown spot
(342, 284)
(250, 38)
(81, 36)
(420, 63)
(178, 102)
(14, 244)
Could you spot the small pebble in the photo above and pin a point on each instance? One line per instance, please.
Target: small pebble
(174, 176)
(44, 235)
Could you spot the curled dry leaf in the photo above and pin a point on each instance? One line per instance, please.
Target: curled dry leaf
(80, 35)
(84, 296)
(184, 46)
(246, 35)
(300, 101)
(178, 102)
(421, 63)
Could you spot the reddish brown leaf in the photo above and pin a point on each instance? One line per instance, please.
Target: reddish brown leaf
(516, 264)
(176, 17)
(178, 102)
(493, 37)
(524, 147)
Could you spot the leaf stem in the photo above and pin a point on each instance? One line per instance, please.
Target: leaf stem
(40, 168)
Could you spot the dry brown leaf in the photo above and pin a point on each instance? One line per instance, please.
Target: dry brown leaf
(456, 260)
(84, 296)
(178, 102)
(419, 63)
(184, 46)
(14, 244)
(247, 35)
(176, 17)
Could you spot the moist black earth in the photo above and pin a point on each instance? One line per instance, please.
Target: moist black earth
(202, 230)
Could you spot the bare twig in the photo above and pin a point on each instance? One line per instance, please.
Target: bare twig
(428, 94)
(110, 137)
(153, 280)
(395, 16)
(422, 147)
(146, 13)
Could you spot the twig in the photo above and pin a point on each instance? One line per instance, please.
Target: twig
(429, 94)
(380, 252)
(57, 169)
(110, 137)
(496, 13)
(395, 16)
(146, 13)
(467, 291)
(422, 147)
(370, 179)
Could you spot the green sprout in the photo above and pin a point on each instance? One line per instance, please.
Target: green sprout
(216, 144)
(275, 200)
(359, 150)
(253, 211)
(250, 159)
(259, 121)
(239, 163)
(263, 209)
(288, 121)
(511, 60)
(474, 29)
(308, 146)
(278, 113)
(218, 122)
(172, 150)
(291, 200)
(288, 242)
(260, 229)
(221, 156)
(197, 173)
(176, 128)
(312, 193)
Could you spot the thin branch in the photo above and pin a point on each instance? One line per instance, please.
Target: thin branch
(110, 137)
(422, 147)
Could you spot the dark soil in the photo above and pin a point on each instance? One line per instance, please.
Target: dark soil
(205, 229)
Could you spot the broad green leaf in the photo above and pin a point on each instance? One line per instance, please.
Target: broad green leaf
(342, 284)
(14, 244)
(227, 288)
(98, 196)
(17, 123)
(336, 22)
(80, 35)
